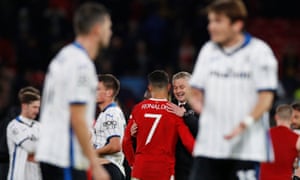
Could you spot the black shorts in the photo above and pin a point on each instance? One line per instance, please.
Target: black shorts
(114, 172)
(50, 172)
(4, 170)
(216, 169)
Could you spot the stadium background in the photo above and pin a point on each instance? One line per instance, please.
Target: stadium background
(148, 34)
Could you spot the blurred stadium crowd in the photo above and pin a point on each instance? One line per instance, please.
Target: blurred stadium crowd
(148, 35)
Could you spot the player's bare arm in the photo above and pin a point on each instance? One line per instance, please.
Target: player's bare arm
(195, 99)
(81, 131)
(298, 144)
(113, 146)
(264, 103)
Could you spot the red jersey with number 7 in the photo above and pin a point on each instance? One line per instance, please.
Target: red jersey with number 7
(156, 138)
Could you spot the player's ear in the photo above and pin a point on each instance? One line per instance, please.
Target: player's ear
(238, 26)
(149, 87)
(169, 87)
(276, 118)
(109, 92)
(24, 106)
(96, 29)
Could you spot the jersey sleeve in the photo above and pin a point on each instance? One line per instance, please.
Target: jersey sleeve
(127, 143)
(81, 85)
(22, 138)
(265, 69)
(199, 74)
(185, 135)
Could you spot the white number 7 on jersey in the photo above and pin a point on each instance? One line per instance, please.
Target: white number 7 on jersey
(152, 130)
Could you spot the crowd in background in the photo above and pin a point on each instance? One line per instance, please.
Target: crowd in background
(148, 35)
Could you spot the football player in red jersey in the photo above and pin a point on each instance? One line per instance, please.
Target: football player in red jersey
(158, 131)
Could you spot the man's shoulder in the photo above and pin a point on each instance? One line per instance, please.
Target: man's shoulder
(283, 130)
(14, 128)
(115, 108)
(141, 103)
(12, 124)
(113, 111)
(152, 104)
(73, 55)
(259, 45)
(209, 46)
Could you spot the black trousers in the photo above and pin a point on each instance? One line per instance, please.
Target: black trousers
(51, 172)
(182, 173)
(4, 170)
(216, 169)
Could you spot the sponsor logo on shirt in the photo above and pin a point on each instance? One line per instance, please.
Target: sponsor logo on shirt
(230, 74)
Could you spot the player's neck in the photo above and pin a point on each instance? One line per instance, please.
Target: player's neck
(89, 45)
(24, 115)
(159, 95)
(103, 105)
(181, 102)
(284, 123)
(234, 41)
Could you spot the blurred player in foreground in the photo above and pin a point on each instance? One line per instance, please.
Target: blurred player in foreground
(233, 84)
(69, 100)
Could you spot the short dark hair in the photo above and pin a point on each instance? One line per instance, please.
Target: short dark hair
(284, 111)
(158, 79)
(28, 94)
(87, 15)
(233, 9)
(296, 106)
(110, 82)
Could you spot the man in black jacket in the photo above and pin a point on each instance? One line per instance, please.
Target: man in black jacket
(181, 108)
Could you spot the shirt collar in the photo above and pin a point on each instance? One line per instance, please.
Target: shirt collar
(156, 99)
(79, 46)
(25, 120)
(247, 39)
(181, 103)
(110, 105)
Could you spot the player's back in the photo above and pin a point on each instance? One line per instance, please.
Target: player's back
(71, 79)
(156, 139)
(285, 155)
(157, 129)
